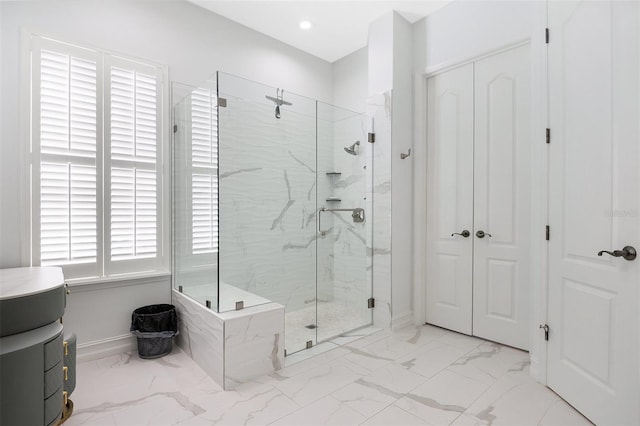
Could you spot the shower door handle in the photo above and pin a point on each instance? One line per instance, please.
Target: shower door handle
(357, 215)
(320, 231)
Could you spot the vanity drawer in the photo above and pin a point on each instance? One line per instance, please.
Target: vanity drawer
(53, 407)
(52, 352)
(53, 379)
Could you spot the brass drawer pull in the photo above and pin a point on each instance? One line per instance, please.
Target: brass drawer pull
(66, 372)
(66, 348)
(65, 398)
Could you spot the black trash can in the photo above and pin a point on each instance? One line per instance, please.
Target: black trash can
(154, 326)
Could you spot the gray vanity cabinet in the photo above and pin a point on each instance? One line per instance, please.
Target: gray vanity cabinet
(35, 361)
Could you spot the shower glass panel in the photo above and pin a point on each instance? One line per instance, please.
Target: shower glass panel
(195, 203)
(344, 272)
(268, 202)
(272, 203)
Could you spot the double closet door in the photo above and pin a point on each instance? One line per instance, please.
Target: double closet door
(478, 198)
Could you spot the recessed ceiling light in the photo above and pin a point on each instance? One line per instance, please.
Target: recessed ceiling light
(305, 25)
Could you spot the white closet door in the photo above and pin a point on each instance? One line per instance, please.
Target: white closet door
(450, 198)
(502, 198)
(594, 182)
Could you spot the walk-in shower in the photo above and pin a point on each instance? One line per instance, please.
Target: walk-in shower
(251, 191)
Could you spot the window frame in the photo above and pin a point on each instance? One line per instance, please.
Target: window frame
(103, 270)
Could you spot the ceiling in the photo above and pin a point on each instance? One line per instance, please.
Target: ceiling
(338, 27)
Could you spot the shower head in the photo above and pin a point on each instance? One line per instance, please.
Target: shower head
(352, 149)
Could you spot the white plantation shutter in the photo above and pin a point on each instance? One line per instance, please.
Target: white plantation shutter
(64, 157)
(95, 144)
(204, 172)
(132, 125)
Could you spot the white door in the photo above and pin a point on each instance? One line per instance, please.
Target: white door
(450, 198)
(594, 184)
(502, 180)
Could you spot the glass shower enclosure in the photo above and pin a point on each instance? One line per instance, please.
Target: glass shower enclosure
(271, 193)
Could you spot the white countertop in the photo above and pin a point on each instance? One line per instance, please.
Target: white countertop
(21, 282)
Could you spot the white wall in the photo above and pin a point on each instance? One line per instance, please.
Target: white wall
(193, 42)
(402, 175)
(465, 29)
(350, 77)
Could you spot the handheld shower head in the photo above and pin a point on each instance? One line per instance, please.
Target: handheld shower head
(278, 100)
(352, 149)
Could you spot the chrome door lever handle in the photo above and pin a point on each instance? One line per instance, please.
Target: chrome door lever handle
(464, 233)
(482, 234)
(627, 252)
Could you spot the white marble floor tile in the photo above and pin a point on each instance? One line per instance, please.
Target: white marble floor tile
(489, 361)
(390, 348)
(512, 400)
(442, 398)
(562, 414)
(419, 335)
(394, 416)
(325, 411)
(422, 375)
(460, 340)
(313, 384)
(260, 409)
(366, 398)
(395, 378)
(431, 358)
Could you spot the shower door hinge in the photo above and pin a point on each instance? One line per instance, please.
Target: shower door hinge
(546, 35)
(175, 128)
(371, 303)
(547, 233)
(371, 137)
(222, 102)
(548, 132)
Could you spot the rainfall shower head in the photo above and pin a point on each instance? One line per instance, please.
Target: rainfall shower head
(278, 100)
(352, 149)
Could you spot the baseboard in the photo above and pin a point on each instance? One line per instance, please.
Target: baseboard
(106, 347)
(401, 321)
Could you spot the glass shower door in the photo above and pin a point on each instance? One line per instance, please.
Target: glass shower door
(344, 267)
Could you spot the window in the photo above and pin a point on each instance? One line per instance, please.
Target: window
(96, 158)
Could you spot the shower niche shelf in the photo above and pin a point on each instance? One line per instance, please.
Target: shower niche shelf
(333, 199)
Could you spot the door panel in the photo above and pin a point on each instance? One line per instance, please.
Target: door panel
(593, 205)
(450, 198)
(502, 182)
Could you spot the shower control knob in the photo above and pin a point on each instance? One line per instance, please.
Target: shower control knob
(464, 233)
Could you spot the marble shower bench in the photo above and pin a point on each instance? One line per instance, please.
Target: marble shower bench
(231, 347)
